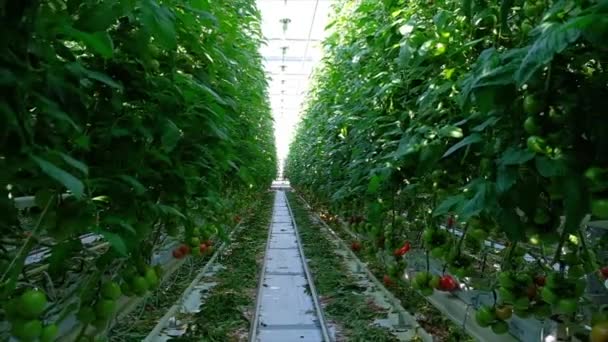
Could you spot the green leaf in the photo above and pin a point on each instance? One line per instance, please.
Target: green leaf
(66, 179)
(169, 210)
(374, 184)
(118, 221)
(476, 204)
(555, 37)
(511, 224)
(159, 21)
(514, 156)
(80, 70)
(548, 167)
(171, 135)
(447, 204)
(471, 139)
(576, 201)
(137, 186)
(75, 163)
(491, 121)
(98, 42)
(115, 241)
(505, 178)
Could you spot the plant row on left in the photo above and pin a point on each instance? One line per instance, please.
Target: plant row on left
(139, 121)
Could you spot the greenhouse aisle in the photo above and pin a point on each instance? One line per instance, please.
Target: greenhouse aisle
(287, 307)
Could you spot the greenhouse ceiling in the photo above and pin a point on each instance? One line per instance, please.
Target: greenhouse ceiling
(294, 30)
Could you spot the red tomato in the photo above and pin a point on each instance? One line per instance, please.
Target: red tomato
(177, 253)
(406, 247)
(355, 246)
(531, 291)
(451, 221)
(184, 249)
(448, 283)
(203, 248)
(540, 280)
(387, 280)
(604, 271)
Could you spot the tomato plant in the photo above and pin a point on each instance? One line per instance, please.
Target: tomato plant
(488, 113)
(130, 120)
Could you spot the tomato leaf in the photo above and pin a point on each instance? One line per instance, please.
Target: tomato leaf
(75, 163)
(576, 201)
(513, 156)
(137, 186)
(511, 224)
(471, 139)
(506, 176)
(555, 37)
(115, 241)
(549, 167)
(171, 135)
(98, 42)
(159, 21)
(67, 179)
(448, 204)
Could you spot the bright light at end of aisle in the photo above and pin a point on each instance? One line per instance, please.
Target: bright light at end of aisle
(294, 30)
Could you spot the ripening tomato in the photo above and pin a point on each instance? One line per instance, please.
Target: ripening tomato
(604, 272)
(388, 281)
(599, 332)
(448, 283)
(177, 253)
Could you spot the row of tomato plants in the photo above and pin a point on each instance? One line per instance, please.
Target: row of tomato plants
(489, 112)
(152, 116)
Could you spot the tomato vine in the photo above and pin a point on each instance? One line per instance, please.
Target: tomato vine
(492, 112)
(131, 119)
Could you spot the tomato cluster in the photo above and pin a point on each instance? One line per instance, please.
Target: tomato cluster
(25, 312)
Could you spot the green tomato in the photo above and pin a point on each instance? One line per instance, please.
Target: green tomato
(599, 208)
(531, 126)
(104, 308)
(27, 330)
(151, 277)
(532, 105)
(434, 282)
(110, 290)
(485, 316)
(567, 305)
(139, 285)
(49, 333)
(32, 303)
(500, 327)
(537, 144)
(195, 241)
(521, 303)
